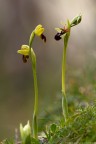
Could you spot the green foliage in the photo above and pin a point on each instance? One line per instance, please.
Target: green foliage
(80, 128)
(51, 130)
(6, 141)
(29, 140)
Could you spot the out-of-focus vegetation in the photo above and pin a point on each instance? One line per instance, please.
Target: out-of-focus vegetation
(81, 92)
(18, 18)
(79, 128)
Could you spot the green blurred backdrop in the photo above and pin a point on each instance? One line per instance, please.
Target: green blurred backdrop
(17, 19)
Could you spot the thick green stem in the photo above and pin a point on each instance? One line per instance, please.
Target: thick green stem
(63, 70)
(35, 114)
(31, 39)
(64, 100)
(35, 124)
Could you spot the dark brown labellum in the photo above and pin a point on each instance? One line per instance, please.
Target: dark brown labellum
(43, 37)
(24, 58)
(57, 36)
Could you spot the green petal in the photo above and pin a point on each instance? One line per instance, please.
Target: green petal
(24, 47)
(39, 30)
(23, 52)
(58, 29)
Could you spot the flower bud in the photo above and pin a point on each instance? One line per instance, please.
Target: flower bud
(76, 20)
(25, 132)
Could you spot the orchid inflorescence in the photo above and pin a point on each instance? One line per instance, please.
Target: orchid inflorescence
(64, 33)
(27, 52)
(25, 49)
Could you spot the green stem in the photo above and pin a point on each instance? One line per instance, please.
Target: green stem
(63, 70)
(35, 123)
(35, 114)
(64, 100)
(31, 39)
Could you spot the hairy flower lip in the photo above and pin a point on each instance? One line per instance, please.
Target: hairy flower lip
(24, 58)
(60, 33)
(57, 36)
(43, 37)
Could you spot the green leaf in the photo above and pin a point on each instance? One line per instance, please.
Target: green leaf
(53, 128)
(58, 29)
(34, 141)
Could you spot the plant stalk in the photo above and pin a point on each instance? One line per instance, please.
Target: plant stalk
(64, 100)
(33, 60)
(35, 123)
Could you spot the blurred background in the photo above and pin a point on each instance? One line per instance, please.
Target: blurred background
(17, 20)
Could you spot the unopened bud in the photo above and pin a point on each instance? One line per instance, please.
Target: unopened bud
(76, 20)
